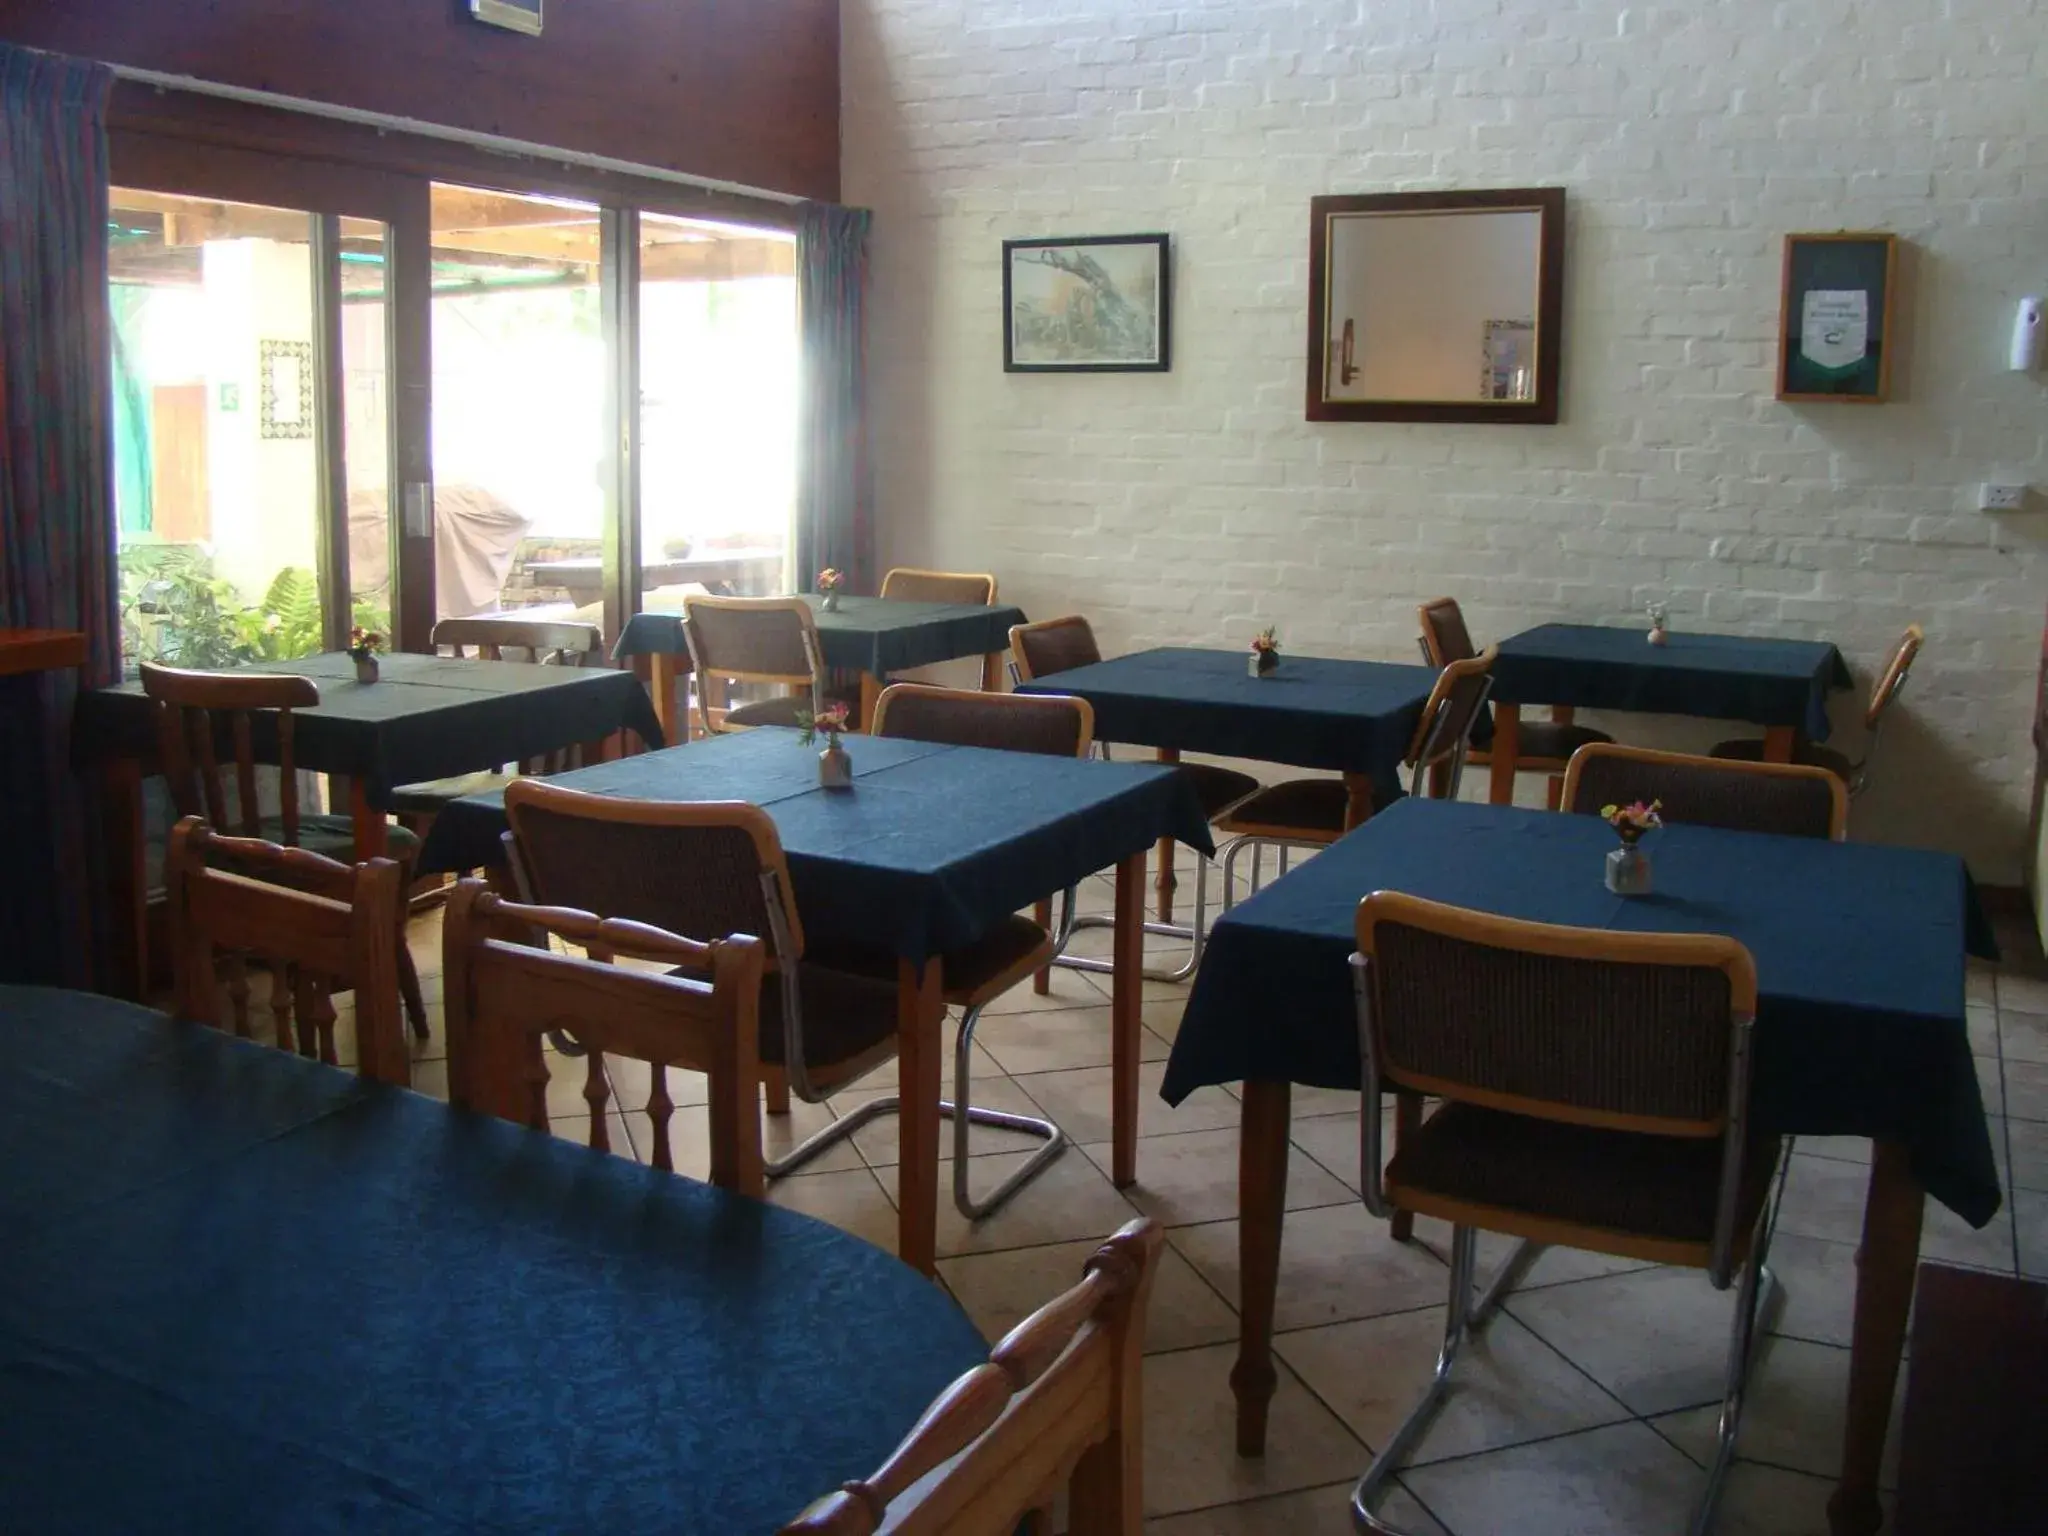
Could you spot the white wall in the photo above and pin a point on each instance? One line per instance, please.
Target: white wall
(1199, 505)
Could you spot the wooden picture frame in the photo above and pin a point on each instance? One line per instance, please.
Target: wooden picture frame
(1837, 322)
(1088, 304)
(512, 15)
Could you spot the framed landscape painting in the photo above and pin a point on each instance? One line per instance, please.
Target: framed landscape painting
(1099, 304)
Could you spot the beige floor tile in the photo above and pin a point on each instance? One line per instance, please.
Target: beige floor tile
(1079, 1102)
(1982, 1021)
(2026, 1089)
(2022, 994)
(1193, 1178)
(1000, 1290)
(1794, 1416)
(576, 1128)
(853, 1201)
(881, 1140)
(1311, 1512)
(1337, 1263)
(1510, 1387)
(1991, 1084)
(1657, 1339)
(1305, 1103)
(2030, 1215)
(1981, 982)
(1838, 1149)
(1190, 1437)
(1553, 1266)
(1069, 1202)
(1824, 1199)
(689, 1138)
(1769, 1501)
(1022, 1043)
(1819, 1283)
(1333, 1142)
(2023, 1036)
(1070, 989)
(1621, 1480)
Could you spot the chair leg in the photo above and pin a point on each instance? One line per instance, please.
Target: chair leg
(1757, 1298)
(1041, 979)
(1196, 934)
(409, 989)
(1457, 1318)
(1553, 791)
(1505, 1279)
(775, 1085)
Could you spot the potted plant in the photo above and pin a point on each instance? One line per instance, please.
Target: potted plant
(1265, 656)
(830, 580)
(835, 768)
(363, 646)
(1628, 867)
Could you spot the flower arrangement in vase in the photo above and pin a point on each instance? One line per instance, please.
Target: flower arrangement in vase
(830, 580)
(835, 768)
(1265, 656)
(1628, 867)
(363, 646)
(1658, 614)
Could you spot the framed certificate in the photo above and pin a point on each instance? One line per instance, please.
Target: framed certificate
(513, 15)
(1836, 325)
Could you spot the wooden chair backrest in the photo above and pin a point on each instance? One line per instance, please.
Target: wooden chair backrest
(1459, 694)
(1893, 678)
(192, 707)
(551, 642)
(319, 926)
(1445, 638)
(1793, 799)
(1060, 1400)
(1626, 1031)
(690, 868)
(1052, 645)
(752, 640)
(1053, 725)
(907, 584)
(505, 997)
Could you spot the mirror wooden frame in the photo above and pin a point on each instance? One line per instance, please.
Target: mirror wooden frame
(1541, 411)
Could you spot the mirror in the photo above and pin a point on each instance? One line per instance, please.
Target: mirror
(1436, 306)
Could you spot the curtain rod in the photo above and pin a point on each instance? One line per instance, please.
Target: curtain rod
(385, 122)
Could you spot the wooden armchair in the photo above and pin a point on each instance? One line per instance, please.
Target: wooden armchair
(1060, 1401)
(504, 997)
(318, 926)
(771, 640)
(1787, 798)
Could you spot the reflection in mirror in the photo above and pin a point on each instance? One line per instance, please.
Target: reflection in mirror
(1433, 306)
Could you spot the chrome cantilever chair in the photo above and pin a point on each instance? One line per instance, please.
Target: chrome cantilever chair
(1052, 646)
(754, 640)
(1853, 772)
(1314, 813)
(1595, 1093)
(706, 869)
(1786, 798)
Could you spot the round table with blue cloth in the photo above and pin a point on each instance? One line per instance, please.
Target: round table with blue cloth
(247, 1293)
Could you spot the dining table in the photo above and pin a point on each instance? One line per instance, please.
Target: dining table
(1781, 685)
(1356, 718)
(1860, 952)
(871, 636)
(248, 1293)
(426, 717)
(930, 849)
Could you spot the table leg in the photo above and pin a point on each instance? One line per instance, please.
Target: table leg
(1778, 743)
(1407, 1121)
(1507, 744)
(992, 672)
(1885, 1268)
(371, 838)
(870, 691)
(1357, 800)
(1126, 1026)
(920, 1011)
(665, 673)
(1261, 1207)
(1164, 882)
(121, 814)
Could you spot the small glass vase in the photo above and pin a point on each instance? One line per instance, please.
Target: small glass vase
(1628, 871)
(831, 603)
(1262, 663)
(1659, 634)
(835, 768)
(366, 668)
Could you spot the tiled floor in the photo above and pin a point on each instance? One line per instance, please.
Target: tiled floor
(1588, 1407)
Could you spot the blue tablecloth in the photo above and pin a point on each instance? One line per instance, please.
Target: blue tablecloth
(1859, 953)
(247, 1293)
(865, 635)
(1715, 677)
(931, 847)
(428, 717)
(1352, 716)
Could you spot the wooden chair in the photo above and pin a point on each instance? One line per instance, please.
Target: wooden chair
(196, 712)
(771, 640)
(1314, 813)
(1786, 798)
(1060, 1401)
(1546, 745)
(542, 642)
(907, 584)
(319, 926)
(1052, 646)
(1853, 772)
(1016, 949)
(504, 997)
(1595, 1093)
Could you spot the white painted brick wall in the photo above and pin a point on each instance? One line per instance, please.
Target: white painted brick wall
(1199, 505)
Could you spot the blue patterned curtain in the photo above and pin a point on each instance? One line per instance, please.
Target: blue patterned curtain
(56, 490)
(835, 483)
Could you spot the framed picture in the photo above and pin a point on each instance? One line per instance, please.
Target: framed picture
(285, 383)
(1836, 322)
(1099, 304)
(513, 15)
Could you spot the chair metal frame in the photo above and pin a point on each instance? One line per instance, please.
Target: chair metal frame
(1758, 1294)
(1890, 684)
(1838, 814)
(704, 671)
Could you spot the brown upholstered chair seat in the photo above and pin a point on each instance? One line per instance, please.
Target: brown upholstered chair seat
(1310, 807)
(780, 710)
(1218, 788)
(1543, 1170)
(849, 1021)
(1806, 752)
(1551, 742)
(974, 973)
(430, 796)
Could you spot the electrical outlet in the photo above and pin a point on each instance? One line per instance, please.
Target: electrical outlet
(2002, 498)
